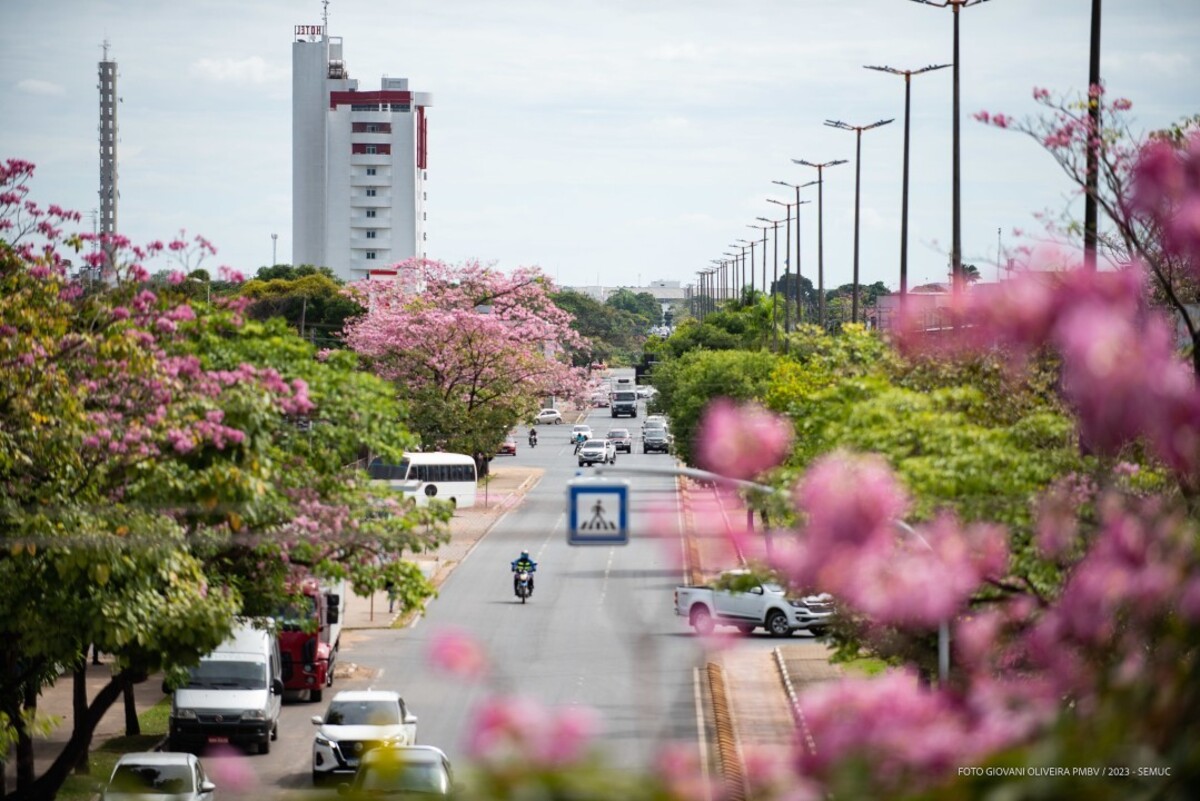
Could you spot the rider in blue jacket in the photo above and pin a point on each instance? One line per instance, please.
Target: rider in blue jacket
(526, 563)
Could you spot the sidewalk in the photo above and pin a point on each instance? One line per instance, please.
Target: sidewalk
(508, 483)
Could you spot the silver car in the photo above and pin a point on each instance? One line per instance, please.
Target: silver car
(159, 774)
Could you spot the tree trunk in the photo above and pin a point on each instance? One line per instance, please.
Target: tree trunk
(79, 708)
(25, 767)
(132, 725)
(48, 784)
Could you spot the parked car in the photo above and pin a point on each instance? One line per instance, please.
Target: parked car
(356, 722)
(157, 774)
(656, 440)
(597, 451)
(421, 770)
(508, 447)
(621, 439)
(762, 604)
(549, 416)
(581, 429)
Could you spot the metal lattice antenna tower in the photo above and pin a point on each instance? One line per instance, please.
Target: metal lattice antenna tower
(108, 147)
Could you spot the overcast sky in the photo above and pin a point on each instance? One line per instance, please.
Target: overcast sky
(617, 141)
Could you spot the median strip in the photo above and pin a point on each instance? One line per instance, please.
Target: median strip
(733, 775)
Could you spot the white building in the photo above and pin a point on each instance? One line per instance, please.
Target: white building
(358, 163)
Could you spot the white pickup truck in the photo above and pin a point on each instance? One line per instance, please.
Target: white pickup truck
(764, 604)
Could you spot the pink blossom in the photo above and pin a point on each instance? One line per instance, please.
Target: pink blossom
(741, 441)
(520, 731)
(982, 116)
(176, 277)
(1122, 104)
(1001, 121)
(455, 651)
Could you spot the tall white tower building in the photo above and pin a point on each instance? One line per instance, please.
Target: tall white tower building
(358, 163)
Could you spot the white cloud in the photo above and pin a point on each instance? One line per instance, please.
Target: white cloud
(255, 70)
(33, 86)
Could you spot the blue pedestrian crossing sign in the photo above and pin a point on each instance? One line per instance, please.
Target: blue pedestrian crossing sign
(597, 511)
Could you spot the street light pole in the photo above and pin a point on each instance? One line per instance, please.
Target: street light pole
(750, 244)
(1090, 211)
(764, 256)
(904, 192)
(799, 271)
(820, 231)
(775, 279)
(274, 242)
(858, 130)
(956, 182)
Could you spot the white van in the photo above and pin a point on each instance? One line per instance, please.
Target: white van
(233, 696)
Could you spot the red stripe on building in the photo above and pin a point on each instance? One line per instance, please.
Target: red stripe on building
(363, 98)
(422, 140)
(370, 149)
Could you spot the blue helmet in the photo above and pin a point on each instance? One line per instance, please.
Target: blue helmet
(524, 554)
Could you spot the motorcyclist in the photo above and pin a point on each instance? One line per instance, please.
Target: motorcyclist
(532, 437)
(580, 438)
(526, 563)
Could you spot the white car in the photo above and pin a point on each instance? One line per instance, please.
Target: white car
(581, 429)
(158, 774)
(598, 451)
(549, 416)
(356, 722)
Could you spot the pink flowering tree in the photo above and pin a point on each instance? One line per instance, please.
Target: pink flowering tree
(471, 351)
(1145, 188)
(161, 470)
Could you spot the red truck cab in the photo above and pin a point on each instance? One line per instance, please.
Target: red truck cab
(309, 635)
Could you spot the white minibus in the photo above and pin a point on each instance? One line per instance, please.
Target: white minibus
(446, 476)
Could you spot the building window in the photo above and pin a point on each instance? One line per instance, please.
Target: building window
(362, 148)
(370, 254)
(370, 170)
(370, 234)
(401, 107)
(370, 193)
(371, 127)
(364, 107)
(371, 150)
(371, 213)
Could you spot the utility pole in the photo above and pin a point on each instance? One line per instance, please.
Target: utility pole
(820, 232)
(1095, 99)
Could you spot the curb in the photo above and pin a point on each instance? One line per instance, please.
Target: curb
(794, 702)
(729, 752)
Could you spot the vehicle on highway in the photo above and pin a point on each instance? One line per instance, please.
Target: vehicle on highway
(654, 421)
(624, 402)
(158, 774)
(621, 439)
(421, 771)
(597, 451)
(549, 416)
(310, 632)
(233, 695)
(356, 722)
(446, 476)
(524, 585)
(762, 604)
(656, 440)
(508, 447)
(581, 430)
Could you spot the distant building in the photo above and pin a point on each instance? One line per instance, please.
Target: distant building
(358, 163)
(662, 291)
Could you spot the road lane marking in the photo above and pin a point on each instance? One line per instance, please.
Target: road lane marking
(607, 569)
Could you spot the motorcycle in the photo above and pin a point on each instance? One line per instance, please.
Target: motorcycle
(533, 440)
(524, 590)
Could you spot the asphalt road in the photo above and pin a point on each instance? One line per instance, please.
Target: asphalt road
(599, 630)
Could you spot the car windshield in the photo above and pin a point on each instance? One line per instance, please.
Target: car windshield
(654, 433)
(228, 673)
(363, 713)
(618, 433)
(397, 776)
(152, 779)
(595, 443)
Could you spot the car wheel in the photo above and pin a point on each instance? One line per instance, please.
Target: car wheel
(702, 620)
(318, 778)
(777, 624)
(265, 746)
(315, 696)
(745, 628)
(558, 422)
(581, 464)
